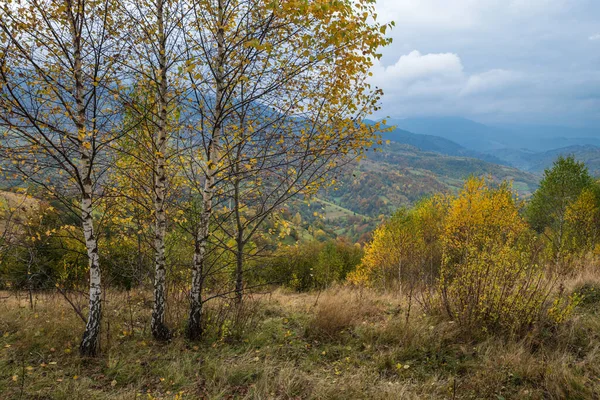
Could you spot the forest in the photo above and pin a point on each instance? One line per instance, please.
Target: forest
(194, 205)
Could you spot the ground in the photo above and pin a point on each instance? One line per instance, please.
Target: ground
(339, 344)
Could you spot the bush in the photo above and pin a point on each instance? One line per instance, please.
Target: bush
(490, 281)
(406, 249)
(37, 250)
(312, 265)
(336, 312)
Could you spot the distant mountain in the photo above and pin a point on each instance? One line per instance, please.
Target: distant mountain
(481, 137)
(511, 143)
(436, 144)
(549, 137)
(467, 133)
(538, 162)
(590, 155)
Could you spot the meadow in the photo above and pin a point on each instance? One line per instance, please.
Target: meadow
(340, 343)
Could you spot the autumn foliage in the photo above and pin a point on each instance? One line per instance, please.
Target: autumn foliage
(475, 258)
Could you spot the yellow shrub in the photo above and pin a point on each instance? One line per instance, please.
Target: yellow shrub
(489, 279)
(404, 250)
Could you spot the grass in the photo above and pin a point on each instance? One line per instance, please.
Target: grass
(333, 211)
(339, 344)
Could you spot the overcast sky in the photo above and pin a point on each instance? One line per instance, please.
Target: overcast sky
(523, 61)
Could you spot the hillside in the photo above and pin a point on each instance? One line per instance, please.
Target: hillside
(467, 133)
(398, 176)
(537, 162)
(401, 175)
(436, 144)
(494, 139)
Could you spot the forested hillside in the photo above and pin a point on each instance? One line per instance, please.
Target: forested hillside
(396, 175)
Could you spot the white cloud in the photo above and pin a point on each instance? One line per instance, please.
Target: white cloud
(496, 79)
(441, 74)
(595, 37)
(416, 66)
(417, 75)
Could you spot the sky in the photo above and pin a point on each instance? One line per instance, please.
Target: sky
(495, 61)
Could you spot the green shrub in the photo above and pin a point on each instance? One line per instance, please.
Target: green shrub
(312, 265)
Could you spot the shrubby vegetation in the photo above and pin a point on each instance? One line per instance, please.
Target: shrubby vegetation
(312, 265)
(485, 258)
(459, 294)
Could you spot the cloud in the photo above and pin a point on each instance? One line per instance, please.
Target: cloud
(512, 60)
(416, 66)
(438, 74)
(494, 80)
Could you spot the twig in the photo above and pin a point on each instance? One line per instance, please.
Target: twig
(75, 308)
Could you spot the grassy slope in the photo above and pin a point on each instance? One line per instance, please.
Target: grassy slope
(350, 345)
(401, 175)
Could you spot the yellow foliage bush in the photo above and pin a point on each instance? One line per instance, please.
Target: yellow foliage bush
(404, 250)
(490, 279)
(472, 257)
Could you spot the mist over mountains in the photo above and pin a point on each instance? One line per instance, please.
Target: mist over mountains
(531, 148)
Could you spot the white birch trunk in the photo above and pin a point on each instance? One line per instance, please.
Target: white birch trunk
(91, 337)
(158, 326)
(194, 328)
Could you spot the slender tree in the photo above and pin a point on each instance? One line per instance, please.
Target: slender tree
(156, 27)
(561, 186)
(278, 90)
(59, 79)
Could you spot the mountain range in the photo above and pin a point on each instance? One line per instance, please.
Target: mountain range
(430, 155)
(531, 148)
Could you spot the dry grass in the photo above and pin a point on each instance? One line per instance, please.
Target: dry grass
(340, 309)
(340, 344)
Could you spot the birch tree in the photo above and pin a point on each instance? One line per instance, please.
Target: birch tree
(155, 40)
(59, 85)
(298, 70)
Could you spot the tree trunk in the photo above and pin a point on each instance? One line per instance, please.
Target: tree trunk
(239, 240)
(239, 270)
(158, 326)
(91, 337)
(194, 328)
